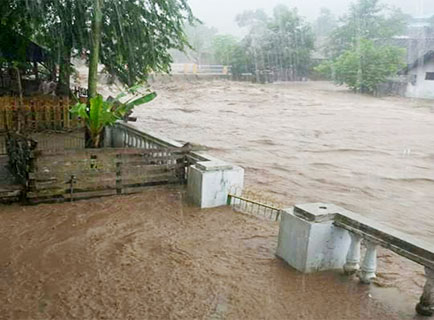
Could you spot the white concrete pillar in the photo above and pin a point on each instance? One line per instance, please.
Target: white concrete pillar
(209, 182)
(108, 136)
(352, 264)
(369, 265)
(426, 305)
(308, 239)
(118, 137)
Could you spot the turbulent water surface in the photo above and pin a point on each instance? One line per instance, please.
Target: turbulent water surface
(312, 141)
(149, 256)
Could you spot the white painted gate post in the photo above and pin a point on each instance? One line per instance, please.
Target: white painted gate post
(369, 265)
(353, 257)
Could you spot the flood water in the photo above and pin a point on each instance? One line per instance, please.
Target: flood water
(151, 256)
(311, 142)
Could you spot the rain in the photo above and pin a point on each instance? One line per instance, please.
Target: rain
(201, 159)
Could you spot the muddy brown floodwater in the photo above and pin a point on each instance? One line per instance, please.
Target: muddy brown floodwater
(311, 142)
(150, 256)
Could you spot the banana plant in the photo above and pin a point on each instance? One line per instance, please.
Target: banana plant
(100, 113)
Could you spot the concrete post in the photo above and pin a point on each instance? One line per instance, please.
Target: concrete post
(117, 137)
(353, 255)
(209, 182)
(108, 134)
(369, 265)
(308, 240)
(426, 305)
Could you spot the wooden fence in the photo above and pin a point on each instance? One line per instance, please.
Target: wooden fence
(37, 113)
(86, 173)
(3, 150)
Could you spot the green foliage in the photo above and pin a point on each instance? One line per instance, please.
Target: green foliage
(367, 19)
(200, 38)
(325, 24)
(282, 43)
(365, 65)
(291, 42)
(136, 35)
(325, 69)
(16, 28)
(101, 113)
(224, 47)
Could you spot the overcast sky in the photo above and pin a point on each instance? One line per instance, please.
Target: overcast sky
(221, 13)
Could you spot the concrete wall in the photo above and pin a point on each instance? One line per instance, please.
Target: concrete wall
(311, 246)
(209, 183)
(421, 88)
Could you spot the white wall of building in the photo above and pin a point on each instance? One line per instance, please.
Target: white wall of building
(421, 88)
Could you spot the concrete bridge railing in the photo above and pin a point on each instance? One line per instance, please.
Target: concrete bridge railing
(317, 236)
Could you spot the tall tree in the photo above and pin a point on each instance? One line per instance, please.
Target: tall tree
(367, 19)
(200, 38)
(291, 43)
(136, 35)
(325, 24)
(282, 43)
(365, 66)
(224, 47)
(95, 47)
(359, 56)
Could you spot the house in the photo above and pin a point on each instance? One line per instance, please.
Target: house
(15, 47)
(420, 74)
(31, 57)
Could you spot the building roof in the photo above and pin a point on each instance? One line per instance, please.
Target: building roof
(15, 47)
(429, 55)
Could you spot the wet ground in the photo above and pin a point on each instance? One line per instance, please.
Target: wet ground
(150, 256)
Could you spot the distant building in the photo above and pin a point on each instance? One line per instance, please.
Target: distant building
(417, 79)
(420, 75)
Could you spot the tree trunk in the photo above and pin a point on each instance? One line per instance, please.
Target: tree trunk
(63, 87)
(93, 62)
(95, 48)
(20, 115)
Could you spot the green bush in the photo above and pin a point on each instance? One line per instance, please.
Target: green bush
(365, 66)
(100, 113)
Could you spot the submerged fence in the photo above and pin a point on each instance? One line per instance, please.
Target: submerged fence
(86, 173)
(254, 203)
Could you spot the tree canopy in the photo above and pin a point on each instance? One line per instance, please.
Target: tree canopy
(365, 66)
(282, 43)
(358, 56)
(136, 35)
(325, 24)
(367, 19)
